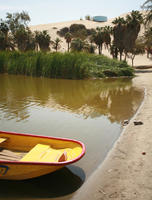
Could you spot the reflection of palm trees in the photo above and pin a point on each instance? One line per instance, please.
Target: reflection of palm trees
(123, 103)
(17, 93)
(115, 98)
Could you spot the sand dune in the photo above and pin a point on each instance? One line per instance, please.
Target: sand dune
(52, 29)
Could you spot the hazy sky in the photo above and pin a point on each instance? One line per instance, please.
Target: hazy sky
(49, 11)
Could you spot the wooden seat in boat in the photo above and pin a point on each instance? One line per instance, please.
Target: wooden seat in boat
(2, 140)
(9, 155)
(44, 153)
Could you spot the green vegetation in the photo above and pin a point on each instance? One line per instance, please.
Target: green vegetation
(56, 44)
(42, 40)
(147, 39)
(68, 38)
(121, 40)
(76, 31)
(25, 52)
(88, 17)
(62, 65)
(136, 50)
(126, 32)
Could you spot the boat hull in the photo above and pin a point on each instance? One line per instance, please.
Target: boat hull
(22, 171)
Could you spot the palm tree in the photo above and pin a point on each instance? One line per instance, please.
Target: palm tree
(56, 44)
(43, 40)
(98, 38)
(78, 45)
(92, 47)
(107, 38)
(119, 34)
(148, 6)
(4, 31)
(119, 21)
(2, 42)
(114, 51)
(125, 32)
(133, 24)
(68, 38)
(148, 41)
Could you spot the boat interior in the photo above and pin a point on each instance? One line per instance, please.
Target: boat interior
(38, 153)
(10, 155)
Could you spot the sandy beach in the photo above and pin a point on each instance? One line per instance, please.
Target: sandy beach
(126, 172)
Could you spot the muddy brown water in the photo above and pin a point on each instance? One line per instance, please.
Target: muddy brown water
(91, 111)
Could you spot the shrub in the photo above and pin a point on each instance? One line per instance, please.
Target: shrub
(110, 73)
(87, 17)
(128, 71)
(62, 65)
(63, 31)
(76, 27)
(3, 59)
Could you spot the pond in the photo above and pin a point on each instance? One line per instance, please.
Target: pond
(91, 111)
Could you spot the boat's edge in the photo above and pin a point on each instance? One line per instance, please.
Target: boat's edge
(45, 163)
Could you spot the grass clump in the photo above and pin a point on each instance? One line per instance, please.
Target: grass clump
(62, 65)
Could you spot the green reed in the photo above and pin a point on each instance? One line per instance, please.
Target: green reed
(62, 65)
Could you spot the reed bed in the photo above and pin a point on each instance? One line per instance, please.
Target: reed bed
(62, 65)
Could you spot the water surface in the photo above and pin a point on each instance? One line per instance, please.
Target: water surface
(88, 110)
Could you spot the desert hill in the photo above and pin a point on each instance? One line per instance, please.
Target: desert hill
(52, 29)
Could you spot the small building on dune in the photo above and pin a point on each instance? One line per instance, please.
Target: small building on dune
(100, 19)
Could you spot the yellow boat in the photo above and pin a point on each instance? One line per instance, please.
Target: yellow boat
(24, 156)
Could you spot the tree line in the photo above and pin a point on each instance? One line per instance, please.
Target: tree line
(122, 39)
(15, 34)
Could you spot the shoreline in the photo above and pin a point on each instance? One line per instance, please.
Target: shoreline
(126, 172)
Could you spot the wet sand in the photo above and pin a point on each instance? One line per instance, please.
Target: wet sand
(126, 174)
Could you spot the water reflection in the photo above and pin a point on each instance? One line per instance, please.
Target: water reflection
(59, 183)
(115, 98)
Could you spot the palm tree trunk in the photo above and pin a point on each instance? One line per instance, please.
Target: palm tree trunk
(99, 48)
(120, 56)
(147, 53)
(6, 40)
(68, 46)
(121, 52)
(116, 53)
(132, 60)
(125, 57)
